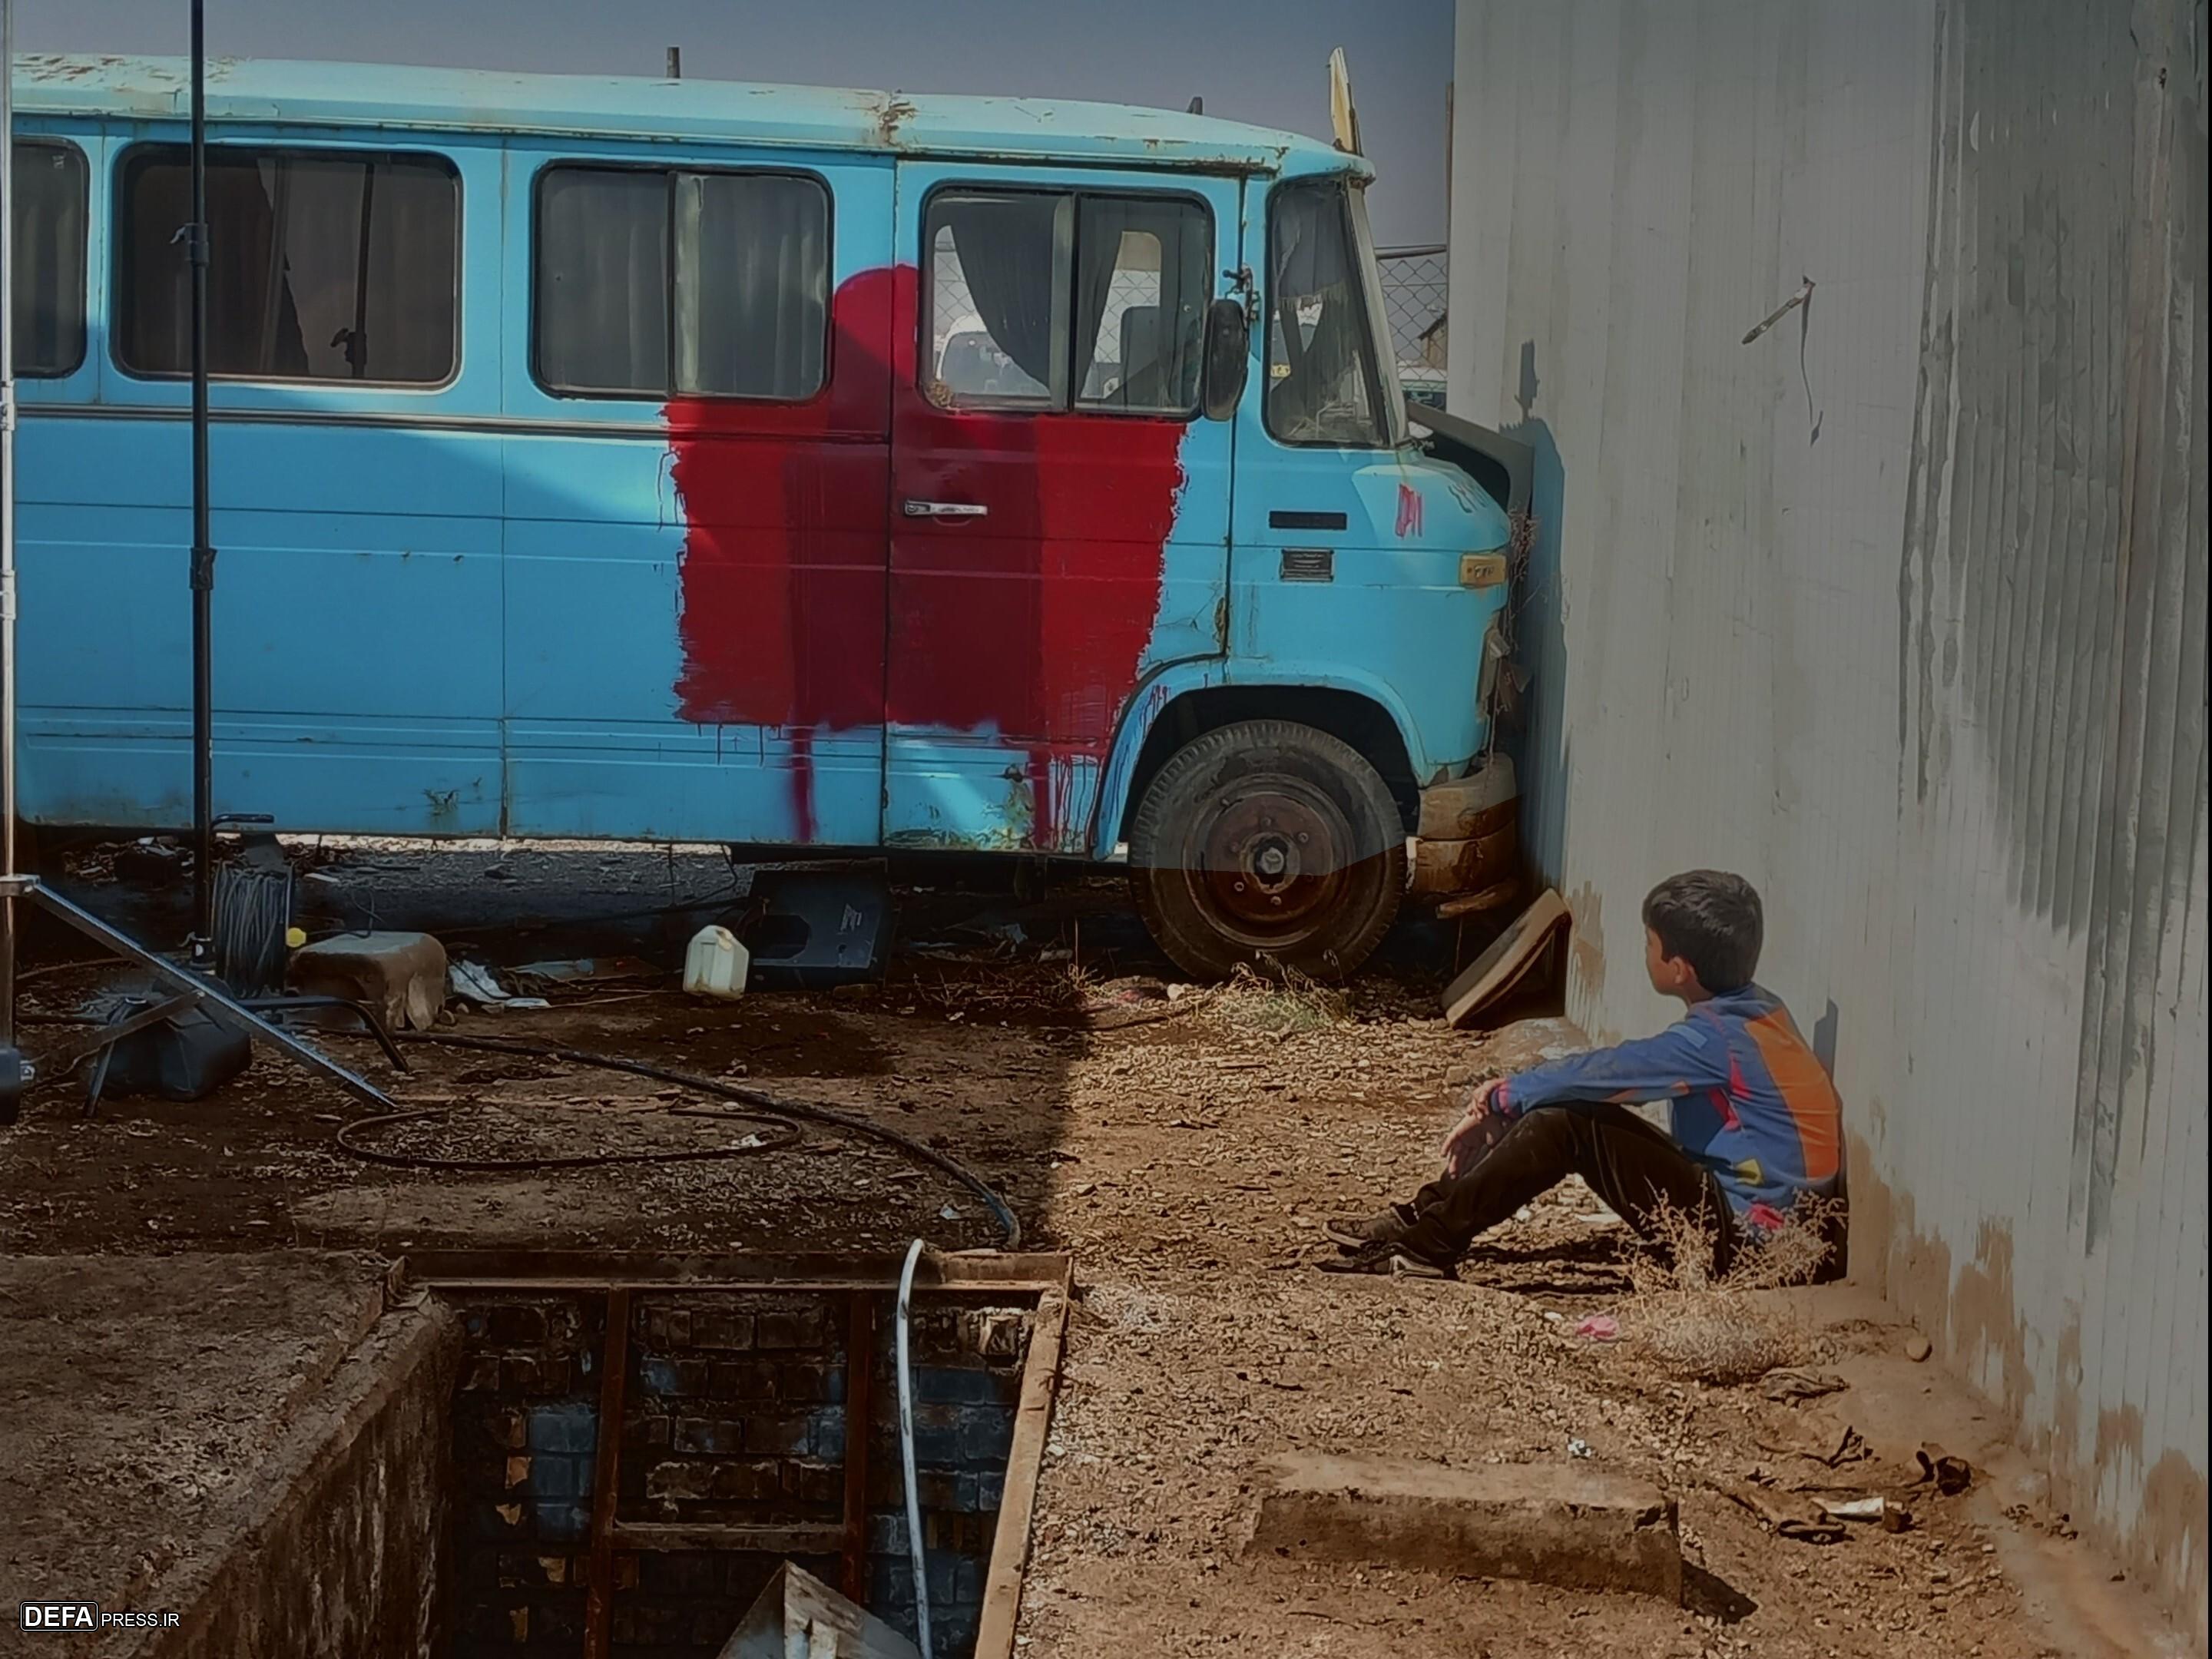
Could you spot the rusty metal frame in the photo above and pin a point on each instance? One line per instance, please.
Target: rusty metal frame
(859, 1371)
(619, 1276)
(607, 1460)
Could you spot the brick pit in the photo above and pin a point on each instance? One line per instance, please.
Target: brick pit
(734, 1411)
(438, 1496)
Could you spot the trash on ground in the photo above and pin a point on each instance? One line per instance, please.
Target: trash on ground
(1791, 1383)
(472, 982)
(1950, 1473)
(715, 964)
(1831, 1449)
(1599, 1327)
(1801, 1526)
(1853, 1509)
(580, 970)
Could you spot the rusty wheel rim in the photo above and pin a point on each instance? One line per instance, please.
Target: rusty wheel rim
(1270, 860)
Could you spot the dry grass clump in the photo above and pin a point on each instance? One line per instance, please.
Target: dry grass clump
(1720, 1328)
(1282, 1002)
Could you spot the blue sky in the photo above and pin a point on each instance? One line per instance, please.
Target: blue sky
(1252, 60)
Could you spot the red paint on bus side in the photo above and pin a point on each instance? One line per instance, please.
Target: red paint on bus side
(1030, 622)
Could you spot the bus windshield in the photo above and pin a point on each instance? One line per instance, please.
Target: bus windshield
(1326, 383)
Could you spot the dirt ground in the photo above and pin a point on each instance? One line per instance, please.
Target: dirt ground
(1182, 1145)
(141, 1394)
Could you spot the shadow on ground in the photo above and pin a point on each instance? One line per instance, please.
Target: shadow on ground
(990, 997)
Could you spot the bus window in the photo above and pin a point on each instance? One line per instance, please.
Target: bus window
(1033, 293)
(998, 293)
(657, 283)
(1323, 386)
(1145, 275)
(325, 265)
(49, 198)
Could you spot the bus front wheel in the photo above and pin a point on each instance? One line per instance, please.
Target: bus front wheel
(1271, 843)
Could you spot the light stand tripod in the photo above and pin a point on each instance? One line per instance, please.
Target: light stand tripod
(191, 987)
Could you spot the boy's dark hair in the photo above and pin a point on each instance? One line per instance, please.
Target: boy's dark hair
(1712, 920)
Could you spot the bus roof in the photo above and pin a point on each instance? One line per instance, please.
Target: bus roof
(268, 91)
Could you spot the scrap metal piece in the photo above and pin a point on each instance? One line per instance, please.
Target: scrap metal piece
(799, 1617)
(1508, 959)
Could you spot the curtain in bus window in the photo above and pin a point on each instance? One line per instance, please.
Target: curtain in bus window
(49, 197)
(652, 282)
(1142, 282)
(323, 265)
(602, 321)
(752, 280)
(1005, 254)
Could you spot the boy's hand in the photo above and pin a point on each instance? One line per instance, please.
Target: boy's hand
(1460, 1144)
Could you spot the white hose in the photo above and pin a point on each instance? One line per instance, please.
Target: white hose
(914, 1537)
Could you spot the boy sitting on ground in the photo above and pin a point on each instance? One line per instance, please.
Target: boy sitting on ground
(1756, 1121)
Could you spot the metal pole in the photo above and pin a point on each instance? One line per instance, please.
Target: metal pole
(14, 1075)
(7, 518)
(203, 556)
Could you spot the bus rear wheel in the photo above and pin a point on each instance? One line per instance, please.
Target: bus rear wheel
(1270, 843)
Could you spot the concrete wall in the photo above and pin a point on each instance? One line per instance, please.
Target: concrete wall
(338, 1549)
(1900, 610)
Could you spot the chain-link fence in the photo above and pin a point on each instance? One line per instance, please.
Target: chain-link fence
(1413, 301)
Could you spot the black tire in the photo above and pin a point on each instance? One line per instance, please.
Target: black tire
(1267, 842)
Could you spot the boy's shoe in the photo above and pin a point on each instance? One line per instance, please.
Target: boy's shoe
(1351, 1232)
(1389, 1256)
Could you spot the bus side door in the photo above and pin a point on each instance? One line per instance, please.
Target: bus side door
(1059, 507)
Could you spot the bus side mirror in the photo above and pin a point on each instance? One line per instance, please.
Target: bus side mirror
(1228, 348)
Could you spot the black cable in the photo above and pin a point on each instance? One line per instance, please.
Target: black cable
(789, 1135)
(773, 1106)
(253, 914)
(23, 975)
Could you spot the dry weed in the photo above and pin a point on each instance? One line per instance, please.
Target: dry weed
(1720, 1328)
(1282, 1002)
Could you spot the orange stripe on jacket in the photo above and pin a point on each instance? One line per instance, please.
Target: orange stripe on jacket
(1803, 1084)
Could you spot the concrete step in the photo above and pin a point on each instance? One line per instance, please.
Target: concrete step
(1576, 1527)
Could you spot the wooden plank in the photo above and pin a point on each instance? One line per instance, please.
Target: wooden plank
(1010, 1545)
(1012, 1288)
(1509, 958)
(614, 1369)
(598, 1270)
(799, 1538)
(859, 1376)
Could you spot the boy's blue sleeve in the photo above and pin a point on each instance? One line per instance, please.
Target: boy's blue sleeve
(1682, 1060)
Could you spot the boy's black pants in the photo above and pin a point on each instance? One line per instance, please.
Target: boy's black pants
(1632, 1166)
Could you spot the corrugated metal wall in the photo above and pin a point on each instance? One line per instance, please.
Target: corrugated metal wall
(1898, 608)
